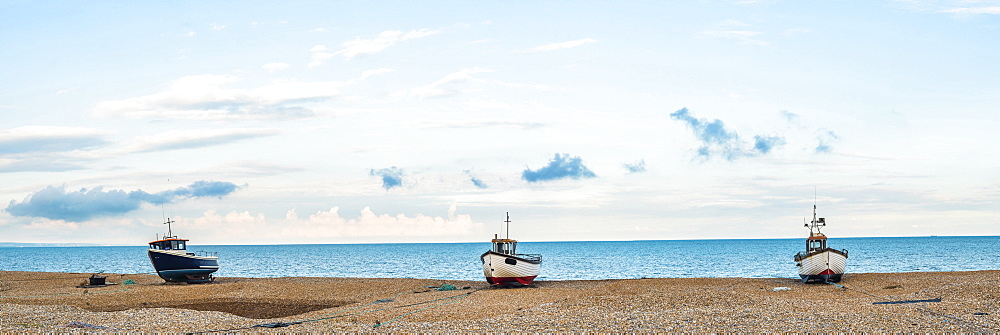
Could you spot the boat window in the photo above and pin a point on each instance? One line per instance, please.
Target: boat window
(815, 245)
(177, 245)
(504, 247)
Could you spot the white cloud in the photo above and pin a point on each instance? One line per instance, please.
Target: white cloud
(956, 7)
(33, 139)
(371, 224)
(445, 86)
(47, 148)
(217, 27)
(48, 131)
(49, 224)
(328, 226)
(559, 46)
(275, 67)
(207, 97)
(194, 138)
(995, 10)
(319, 55)
(369, 73)
(741, 36)
(361, 47)
(282, 92)
(754, 2)
(484, 124)
(794, 31)
(733, 30)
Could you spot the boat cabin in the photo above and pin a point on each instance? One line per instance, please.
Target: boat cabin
(504, 246)
(169, 244)
(816, 242)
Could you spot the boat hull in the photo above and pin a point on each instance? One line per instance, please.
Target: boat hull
(509, 270)
(181, 266)
(823, 266)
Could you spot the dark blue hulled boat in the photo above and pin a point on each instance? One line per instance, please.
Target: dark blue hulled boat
(174, 263)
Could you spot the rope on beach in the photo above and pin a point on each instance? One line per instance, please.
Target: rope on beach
(285, 324)
(947, 316)
(857, 289)
(460, 297)
(41, 279)
(922, 307)
(61, 294)
(368, 304)
(75, 277)
(896, 302)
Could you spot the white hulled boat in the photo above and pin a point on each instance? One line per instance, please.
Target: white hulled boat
(818, 262)
(502, 265)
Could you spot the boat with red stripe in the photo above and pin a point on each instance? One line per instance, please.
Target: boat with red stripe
(819, 263)
(503, 266)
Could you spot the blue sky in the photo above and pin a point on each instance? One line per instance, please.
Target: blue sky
(354, 122)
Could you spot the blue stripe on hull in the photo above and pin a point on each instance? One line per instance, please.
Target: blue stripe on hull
(183, 269)
(821, 278)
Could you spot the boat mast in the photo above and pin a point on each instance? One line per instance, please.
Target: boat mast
(816, 223)
(170, 232)
(508, 225)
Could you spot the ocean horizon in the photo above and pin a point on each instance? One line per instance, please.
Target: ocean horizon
(8, 244)
(562, 260)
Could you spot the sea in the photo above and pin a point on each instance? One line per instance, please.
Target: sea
(584, 260)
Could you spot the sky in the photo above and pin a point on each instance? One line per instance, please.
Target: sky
(261, 122)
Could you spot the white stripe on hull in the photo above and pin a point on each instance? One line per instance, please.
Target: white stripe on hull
(495, 267)
(183, 253)
(816, 264)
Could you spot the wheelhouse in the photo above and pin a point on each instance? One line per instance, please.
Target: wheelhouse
(169, 244)
(504, 246)
(815, 243)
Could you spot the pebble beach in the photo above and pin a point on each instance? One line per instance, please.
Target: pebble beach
(44, 302)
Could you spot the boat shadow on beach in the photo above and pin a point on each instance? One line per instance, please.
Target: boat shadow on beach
(248, 308)
(253, 308)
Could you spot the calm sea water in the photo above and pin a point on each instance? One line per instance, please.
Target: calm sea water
(764, 258)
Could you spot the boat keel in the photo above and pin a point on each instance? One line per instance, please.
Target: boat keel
(511, 281)
(821, 278)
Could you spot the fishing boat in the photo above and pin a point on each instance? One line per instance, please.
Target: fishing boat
(819, 263)
(174, 263)
(503, 266)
